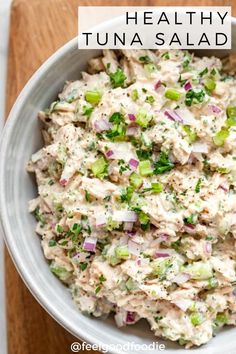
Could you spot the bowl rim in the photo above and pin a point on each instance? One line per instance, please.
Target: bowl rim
(5, 228)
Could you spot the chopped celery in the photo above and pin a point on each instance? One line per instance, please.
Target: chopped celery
(196, 318)
(143, 118)
(212, 283)
(172, 94)
(220, 137)
(156, 187)
(231, 116)
(122, 252)
(200, 270)
(99, 168)
(221, 319)
(134, 95)
(161, 266)
(191, 135)
(135, 180)
(145, 168)
(61, 272)
(210, 85)
(93, 97)
(150, 68)
(131, 285)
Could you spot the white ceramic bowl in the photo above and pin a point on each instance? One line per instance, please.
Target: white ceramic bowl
(20, 139)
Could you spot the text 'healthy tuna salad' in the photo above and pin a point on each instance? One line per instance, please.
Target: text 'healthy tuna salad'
(136, 184)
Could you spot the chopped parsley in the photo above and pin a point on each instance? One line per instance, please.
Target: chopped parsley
(194, 97)
(164, 164)
(117, 78)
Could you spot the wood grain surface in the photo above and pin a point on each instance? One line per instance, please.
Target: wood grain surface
(38, 28)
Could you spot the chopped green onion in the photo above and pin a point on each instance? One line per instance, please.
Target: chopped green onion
(59, 229)
(221, 319)
(83, 266)
(166, 55)
(220, 137)
(192, 219)
(150, 68)
(194, 97)
(145, 168)
(145, 59)
(116, 117)
(87, 196)
(127, 194)
(134, 95)
(144, 220)
(198, 186)
(172, 94)
(117, 78)
(143, 118)
(117, 132)
(99, 168)
(155, 188)
(203, 72)
(196, 318)
(93, 97)
(87, 111)
(231, 116)
(210, 85)
(143, 154)
(150, 99)
(52, 243)
(191, 135)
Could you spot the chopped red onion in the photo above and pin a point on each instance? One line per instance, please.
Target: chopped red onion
(125, 216)
(128, 226)
(101, 125)
(214, 108)
(134, 247)
(224, 188)
(181, 278)
(139, 262)
(130, 317)
(183, 304)
(200, 147)
(133, 164)
(119, 318)
(187, 86)
(160, 254)
(101, 220)
(63, 182)
(157, 85)
(132, 117)
(131, 233)
(173, 115)
(109, 153)
(208, 247)
(190, 226)
(186, 116)
(131, 130)
(90, 244)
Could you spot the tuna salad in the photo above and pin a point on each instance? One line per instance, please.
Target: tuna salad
(136, 204)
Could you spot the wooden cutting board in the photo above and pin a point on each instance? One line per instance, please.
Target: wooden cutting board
(38, 28)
